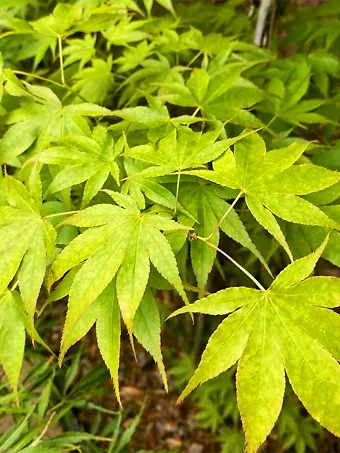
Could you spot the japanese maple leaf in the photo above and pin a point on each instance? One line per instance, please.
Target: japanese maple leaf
(41, 119)
(26, 239)
(120, 242)
(271, 184)
(85, 159)
(288, 327)
(180, 150)
(220, 93)
(104, 312)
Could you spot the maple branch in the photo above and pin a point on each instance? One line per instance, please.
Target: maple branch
(224, 216)
(248, 274)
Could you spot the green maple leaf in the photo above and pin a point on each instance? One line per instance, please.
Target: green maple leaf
(43, 121)
(287, 95)
(272, 184)
(167, 4)
(156, 117)
(105, 312)
(288, 327)
(205, 203)
(94, 83)
(147, 79)
(134, 56)
(119, 242)
(139, 187)
(324, 64)
(81, 50)
(180, 150)
(302, 239)
(26, 239)
(85, 159)
(60, 22)
(12, 338)
(124, 32)
(49, 29)
(222, 94)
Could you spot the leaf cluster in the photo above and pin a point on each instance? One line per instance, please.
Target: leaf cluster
(134, 146)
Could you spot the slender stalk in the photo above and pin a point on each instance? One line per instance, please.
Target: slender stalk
(60, 213)
(45, 79)
(224, 216)
(196, 111)
(194, 289)
(14, 286)
(60, 47)
(177, 190)
(35, 76)
(43, 432)
(194, 58)
(248, 274)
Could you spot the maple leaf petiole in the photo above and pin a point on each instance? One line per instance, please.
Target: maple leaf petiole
(223, 217)
(60, 47)
(248, 274)
(60, 213)
(177, 190)
(53, 82)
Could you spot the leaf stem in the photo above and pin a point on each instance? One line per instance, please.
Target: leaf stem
(224, 216)
(196, 111)
(248, 274)
(60, 47)
(14, 286)
(194, 58)
(60, 213)
(177, 190)
(45, 79)
(43, 432)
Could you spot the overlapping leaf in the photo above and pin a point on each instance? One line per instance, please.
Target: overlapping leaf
(26, 239)
(12, 338)
(287, 327)
(208, 207)
(139, 187)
